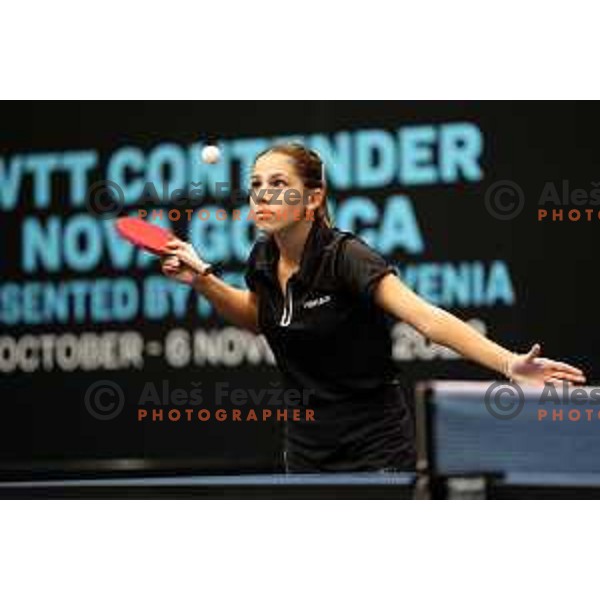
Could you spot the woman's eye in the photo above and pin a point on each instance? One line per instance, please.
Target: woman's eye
(255, 184)
(279, 182)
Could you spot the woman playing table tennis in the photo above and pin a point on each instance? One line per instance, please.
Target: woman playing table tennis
(326, 302)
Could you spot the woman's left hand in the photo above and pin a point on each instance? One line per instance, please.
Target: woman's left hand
(531, 369)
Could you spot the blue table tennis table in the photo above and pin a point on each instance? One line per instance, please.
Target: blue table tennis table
(512, 444)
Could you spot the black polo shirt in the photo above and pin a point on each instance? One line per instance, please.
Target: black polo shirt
(333, 343)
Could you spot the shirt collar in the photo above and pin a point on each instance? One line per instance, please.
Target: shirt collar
(318, 236)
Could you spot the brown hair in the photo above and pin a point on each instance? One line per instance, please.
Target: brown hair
(311, 170)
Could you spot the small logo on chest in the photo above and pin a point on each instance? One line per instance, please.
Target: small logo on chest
(317, 302)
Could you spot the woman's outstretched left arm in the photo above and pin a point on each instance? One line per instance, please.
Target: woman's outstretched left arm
(442, 327)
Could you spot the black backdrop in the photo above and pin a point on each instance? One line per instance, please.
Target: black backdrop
(550, 265)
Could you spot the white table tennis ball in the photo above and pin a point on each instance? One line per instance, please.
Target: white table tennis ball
(211, 154)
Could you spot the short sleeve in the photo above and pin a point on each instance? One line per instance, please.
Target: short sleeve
(360, 267)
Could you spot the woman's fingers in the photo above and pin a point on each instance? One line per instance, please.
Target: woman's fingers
(174, 244)
(574, 376)
(566, 369)
(184, 250)
(558, 381)
(176, 252)
(171, 265)
(534, 352)
(561, 369)
(171, 262)
(179, 258)
(565, 377)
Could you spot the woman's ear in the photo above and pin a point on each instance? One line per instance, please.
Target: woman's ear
(315, 200)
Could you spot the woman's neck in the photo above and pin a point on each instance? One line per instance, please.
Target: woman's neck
(291, 241)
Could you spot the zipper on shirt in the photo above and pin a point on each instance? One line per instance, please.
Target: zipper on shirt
(288, 306)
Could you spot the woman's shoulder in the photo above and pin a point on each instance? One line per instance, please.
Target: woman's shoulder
(351, 244)
(359, 266)
(339, 237)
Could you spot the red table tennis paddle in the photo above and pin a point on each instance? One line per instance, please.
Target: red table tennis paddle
(152, 238)
(144, 235)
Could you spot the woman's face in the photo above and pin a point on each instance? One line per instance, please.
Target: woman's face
(277, 194)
